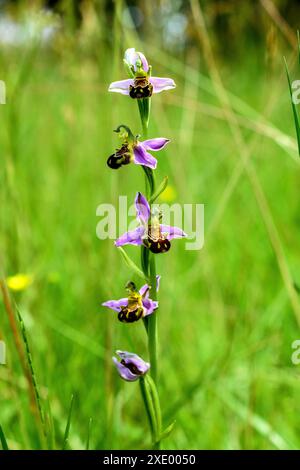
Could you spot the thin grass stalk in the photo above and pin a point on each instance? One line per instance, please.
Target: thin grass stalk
(31, 373)
(27, 367)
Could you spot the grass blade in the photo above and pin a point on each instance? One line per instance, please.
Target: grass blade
(256, 421)
(89, 435)
(295, 111)
(3, 440)
(31, 377)
(298, 39)
(67, 431)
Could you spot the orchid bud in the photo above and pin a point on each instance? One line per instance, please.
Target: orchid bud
(131, 367)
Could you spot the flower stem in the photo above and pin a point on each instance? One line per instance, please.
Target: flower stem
(157, 409)
(152, 322)
(150, 182)
(144, 109)
(149, 268)
(148, 402)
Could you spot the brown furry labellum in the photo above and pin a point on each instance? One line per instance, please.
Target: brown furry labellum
(126, 315)
(141, 88)
(121, 157)
(156, 241)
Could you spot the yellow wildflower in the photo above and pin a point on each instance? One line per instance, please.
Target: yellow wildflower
(19, 282)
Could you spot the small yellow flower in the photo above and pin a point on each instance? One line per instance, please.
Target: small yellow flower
(19, 282)
(169, 194)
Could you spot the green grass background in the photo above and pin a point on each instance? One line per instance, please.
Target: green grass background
(226, 320)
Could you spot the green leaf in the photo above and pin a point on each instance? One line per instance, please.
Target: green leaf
(159, 190)
(67, 431)
(295, 111)
(156, 404)
(167, 431)
(131, 264)
(3, 440)
(146, 395)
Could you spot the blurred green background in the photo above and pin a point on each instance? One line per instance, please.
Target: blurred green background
(228, 313)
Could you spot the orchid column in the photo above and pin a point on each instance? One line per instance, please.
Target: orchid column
(151, 235)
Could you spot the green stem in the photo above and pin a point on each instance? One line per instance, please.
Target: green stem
(148, 402)
(150, 182)
(144, 109)
(152, 322)
(157, 409)
(149, 269)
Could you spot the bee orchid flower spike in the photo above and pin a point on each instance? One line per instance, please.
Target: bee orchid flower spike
(149, 233)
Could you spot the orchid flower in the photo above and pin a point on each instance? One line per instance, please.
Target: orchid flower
(134, 151)
(137, 305)
(141, 84)
(131, 367)
(150, 231)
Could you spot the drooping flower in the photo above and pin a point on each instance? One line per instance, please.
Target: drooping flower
(19, 282)
(150, 232)
(137, 305)
(134, 151)
(141, 84)
(131, 367)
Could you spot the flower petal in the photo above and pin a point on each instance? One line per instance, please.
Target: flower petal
(131, 358)
(131, 366)
(134, 237)
(144, 289)
(172, 232)
(116, 304)
(131, 56)
(158, 277)
(160, 84)
(144, 61)
(155, 144)
(124, 372)
(141, 157)
(122, 86)
(142, 208)
(150, 306)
